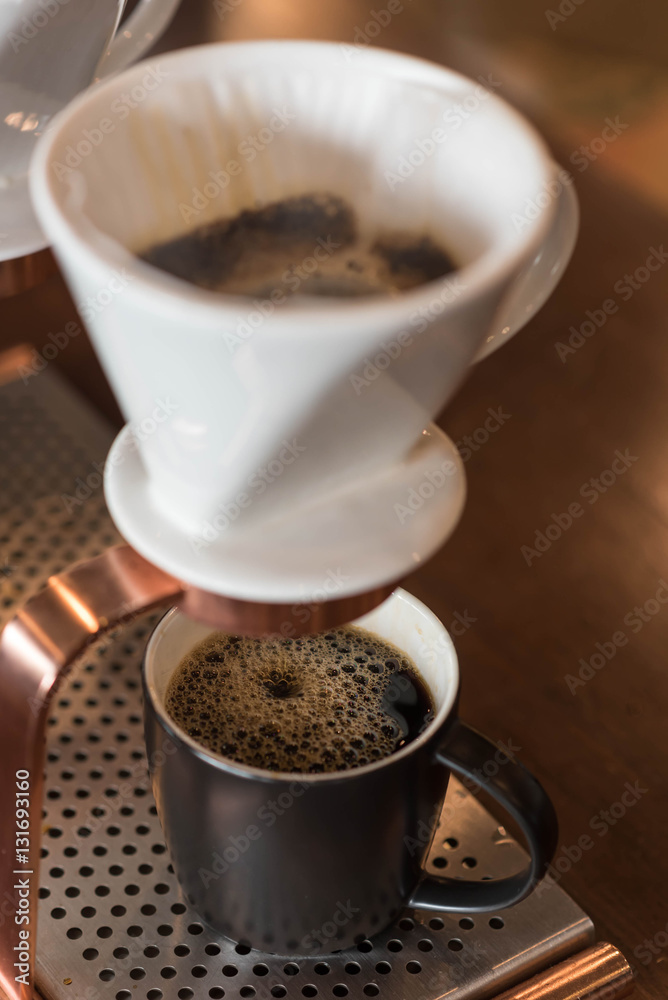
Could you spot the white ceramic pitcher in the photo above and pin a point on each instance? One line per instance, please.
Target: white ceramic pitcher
(49, 51)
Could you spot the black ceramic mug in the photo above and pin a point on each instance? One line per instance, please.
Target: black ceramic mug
(302, 864)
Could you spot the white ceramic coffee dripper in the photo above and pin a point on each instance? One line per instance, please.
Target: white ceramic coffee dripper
(280, 453)
(49, 51)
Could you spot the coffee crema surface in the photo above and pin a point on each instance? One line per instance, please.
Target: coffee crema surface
(318, 703)
(306, 245)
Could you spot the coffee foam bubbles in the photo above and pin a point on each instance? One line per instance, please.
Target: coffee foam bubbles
(312, 704)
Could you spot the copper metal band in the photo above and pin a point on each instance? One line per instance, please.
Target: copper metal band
(599, 973)
(36, 650)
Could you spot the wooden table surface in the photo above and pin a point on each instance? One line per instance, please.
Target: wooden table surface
(535, 619)
(542, 617)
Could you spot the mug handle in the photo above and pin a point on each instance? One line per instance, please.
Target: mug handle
(466, 751)
(143, 27)
(536, 282)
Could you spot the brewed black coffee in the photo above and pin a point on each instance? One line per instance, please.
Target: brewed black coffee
(308, 245)
(312, 704)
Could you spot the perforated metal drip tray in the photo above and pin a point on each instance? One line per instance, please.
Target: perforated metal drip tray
(112, 922)
(112, 915)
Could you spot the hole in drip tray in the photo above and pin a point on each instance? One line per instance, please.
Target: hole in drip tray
(352, 968)
(321, 968)
(496, 923)
(466, 924)
(413, 968)
(340, 990)
(371, 990)
(454, 944)
(278, 991)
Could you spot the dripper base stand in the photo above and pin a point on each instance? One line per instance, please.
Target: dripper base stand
(112, 921)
